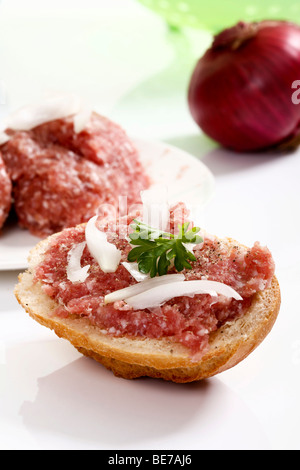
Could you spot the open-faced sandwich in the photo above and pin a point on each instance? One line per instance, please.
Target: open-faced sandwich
(163, 300)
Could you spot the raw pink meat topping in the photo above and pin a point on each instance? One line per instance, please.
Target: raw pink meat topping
(187, 320)
(61, 178)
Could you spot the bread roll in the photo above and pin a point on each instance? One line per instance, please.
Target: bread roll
(132, 357)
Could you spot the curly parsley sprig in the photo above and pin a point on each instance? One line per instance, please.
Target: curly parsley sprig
(155, 249)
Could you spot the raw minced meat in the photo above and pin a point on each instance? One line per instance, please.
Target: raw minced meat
(61, 178)
(187, 320)
(5, 193)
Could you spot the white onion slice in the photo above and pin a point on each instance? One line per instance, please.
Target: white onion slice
(46, 109)
(158, 295)
(81, 118)
(3, 137)
(156, 208)
(106, 254)
(75, 273)
(143, 286)
(133, 270)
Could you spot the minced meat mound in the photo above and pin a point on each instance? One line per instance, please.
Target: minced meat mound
(186, 320)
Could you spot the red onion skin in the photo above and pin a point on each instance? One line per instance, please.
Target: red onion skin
(240, 93)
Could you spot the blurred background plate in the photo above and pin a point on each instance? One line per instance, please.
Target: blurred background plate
(15, 245)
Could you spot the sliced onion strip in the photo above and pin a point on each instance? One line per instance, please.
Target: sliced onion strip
(156, 208)
(75, 273)
(53, 106)
(143, 286)
(159, 293)
(81, 118)
(106, 254)
(133, 270)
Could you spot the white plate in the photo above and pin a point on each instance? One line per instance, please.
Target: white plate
(187, 179)
(15, 245)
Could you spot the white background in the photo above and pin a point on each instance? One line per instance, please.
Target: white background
(121, 57)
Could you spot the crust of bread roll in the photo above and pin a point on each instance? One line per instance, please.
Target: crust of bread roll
(158, 358)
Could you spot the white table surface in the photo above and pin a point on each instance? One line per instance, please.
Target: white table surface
(121, 57)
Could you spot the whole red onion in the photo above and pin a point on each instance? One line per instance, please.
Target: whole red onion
(241, 91)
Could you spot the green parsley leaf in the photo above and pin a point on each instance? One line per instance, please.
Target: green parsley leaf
(154, 249)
